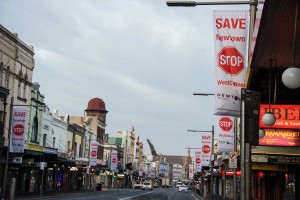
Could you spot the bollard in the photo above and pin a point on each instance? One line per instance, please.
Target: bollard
(12, 188)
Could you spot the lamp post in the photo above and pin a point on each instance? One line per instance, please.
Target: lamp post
(212, 160)
(234, 148)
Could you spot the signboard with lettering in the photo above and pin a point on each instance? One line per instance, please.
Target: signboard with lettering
(287, 116)
(280, 137)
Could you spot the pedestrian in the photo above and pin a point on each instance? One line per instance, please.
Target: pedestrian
(198, 188)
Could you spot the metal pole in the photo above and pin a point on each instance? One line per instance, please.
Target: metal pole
(242, 145)
(7, 152)
(212, 163)
(235, 150)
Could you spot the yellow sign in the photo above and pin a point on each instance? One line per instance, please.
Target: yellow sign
(270, 167)
(34, 147)
(78, 139)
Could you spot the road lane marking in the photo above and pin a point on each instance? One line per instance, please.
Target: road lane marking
(135, 196)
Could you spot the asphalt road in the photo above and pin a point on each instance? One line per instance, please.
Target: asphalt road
(120, 194)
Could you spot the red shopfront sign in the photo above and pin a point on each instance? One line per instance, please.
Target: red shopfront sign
(238, 173)
(287, 116)
(280, 137)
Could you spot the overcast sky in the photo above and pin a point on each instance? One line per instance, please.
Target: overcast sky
(143, 58)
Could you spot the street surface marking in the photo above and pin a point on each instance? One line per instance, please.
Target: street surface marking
(135, 196)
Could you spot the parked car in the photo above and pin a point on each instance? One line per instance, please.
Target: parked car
(178, 184)
(183, 188)
(137, 185)
(147, 186)
(155, 185)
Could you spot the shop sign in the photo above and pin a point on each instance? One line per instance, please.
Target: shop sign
(287, 116)
(230, 173)
(259, 158)
(15, 160)
(270, 167)
(280, 137)
(34, 147)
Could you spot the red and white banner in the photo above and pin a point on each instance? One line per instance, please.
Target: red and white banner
(225, 134)
(18, 127)
(191, 171)
(206, 152)
(230, 39)
(197, 161)
(142, 169)
(114, 161)
(93, 153)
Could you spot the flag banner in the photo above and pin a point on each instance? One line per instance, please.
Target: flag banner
(230, 41)
(225, 134)
(113, 160)
(206, 152)
(197, 161)
(18, 127)
(191, 171)
(142, 168)
(93, 153)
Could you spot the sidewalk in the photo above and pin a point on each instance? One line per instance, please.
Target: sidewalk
(52, 194)
(208, 197)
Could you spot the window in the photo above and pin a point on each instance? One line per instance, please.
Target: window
(6, 84)
(69, 144)
(34, 130)
(53, 143)
(20, 85)
(24, 87)
(1, 73)
(45, 140)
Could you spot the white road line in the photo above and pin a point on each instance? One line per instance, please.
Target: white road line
(135, 196)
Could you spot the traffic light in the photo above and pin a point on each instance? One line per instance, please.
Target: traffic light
(129, 166)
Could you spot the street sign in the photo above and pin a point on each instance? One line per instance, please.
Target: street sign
(233, 160)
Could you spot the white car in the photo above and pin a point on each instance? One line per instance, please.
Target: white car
(138, 185)
(183, 188)
(147, 186)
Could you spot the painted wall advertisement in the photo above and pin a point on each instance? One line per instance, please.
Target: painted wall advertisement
(230, 39)
(18, 125)
(93, 153)
(206, 141)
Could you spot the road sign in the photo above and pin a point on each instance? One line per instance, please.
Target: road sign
(233, 160)
(225, 123)
(231, 61)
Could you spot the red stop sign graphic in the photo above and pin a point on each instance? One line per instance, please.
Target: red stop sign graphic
(230, 60)
(18, 129)
(225, 123)
(93, 153)
(198, 160)
(114, 160)
(205, 149)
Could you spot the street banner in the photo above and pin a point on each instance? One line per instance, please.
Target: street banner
(93, 153)
(206, 152)
(197, 161)
(225, 134)
(230, 39)
(191, 171)
(142, 169)
(18, 127)
(113, 160)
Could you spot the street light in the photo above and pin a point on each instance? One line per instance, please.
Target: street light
(212, 160)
